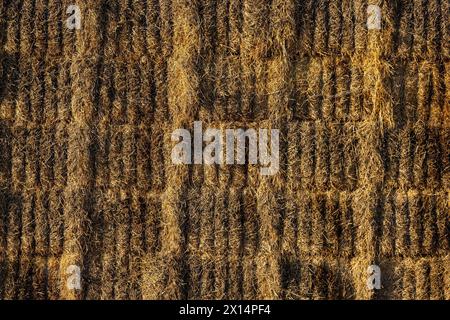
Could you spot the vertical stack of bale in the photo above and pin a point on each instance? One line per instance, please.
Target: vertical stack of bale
(80, 168)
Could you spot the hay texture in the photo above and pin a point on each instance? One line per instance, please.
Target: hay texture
(86, 176)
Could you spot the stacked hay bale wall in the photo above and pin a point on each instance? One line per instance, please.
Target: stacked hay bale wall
(87, 180)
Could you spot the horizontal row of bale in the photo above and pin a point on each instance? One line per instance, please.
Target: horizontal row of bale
(256, 28)
(313, 156)
(309, 89)
(222, 239)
